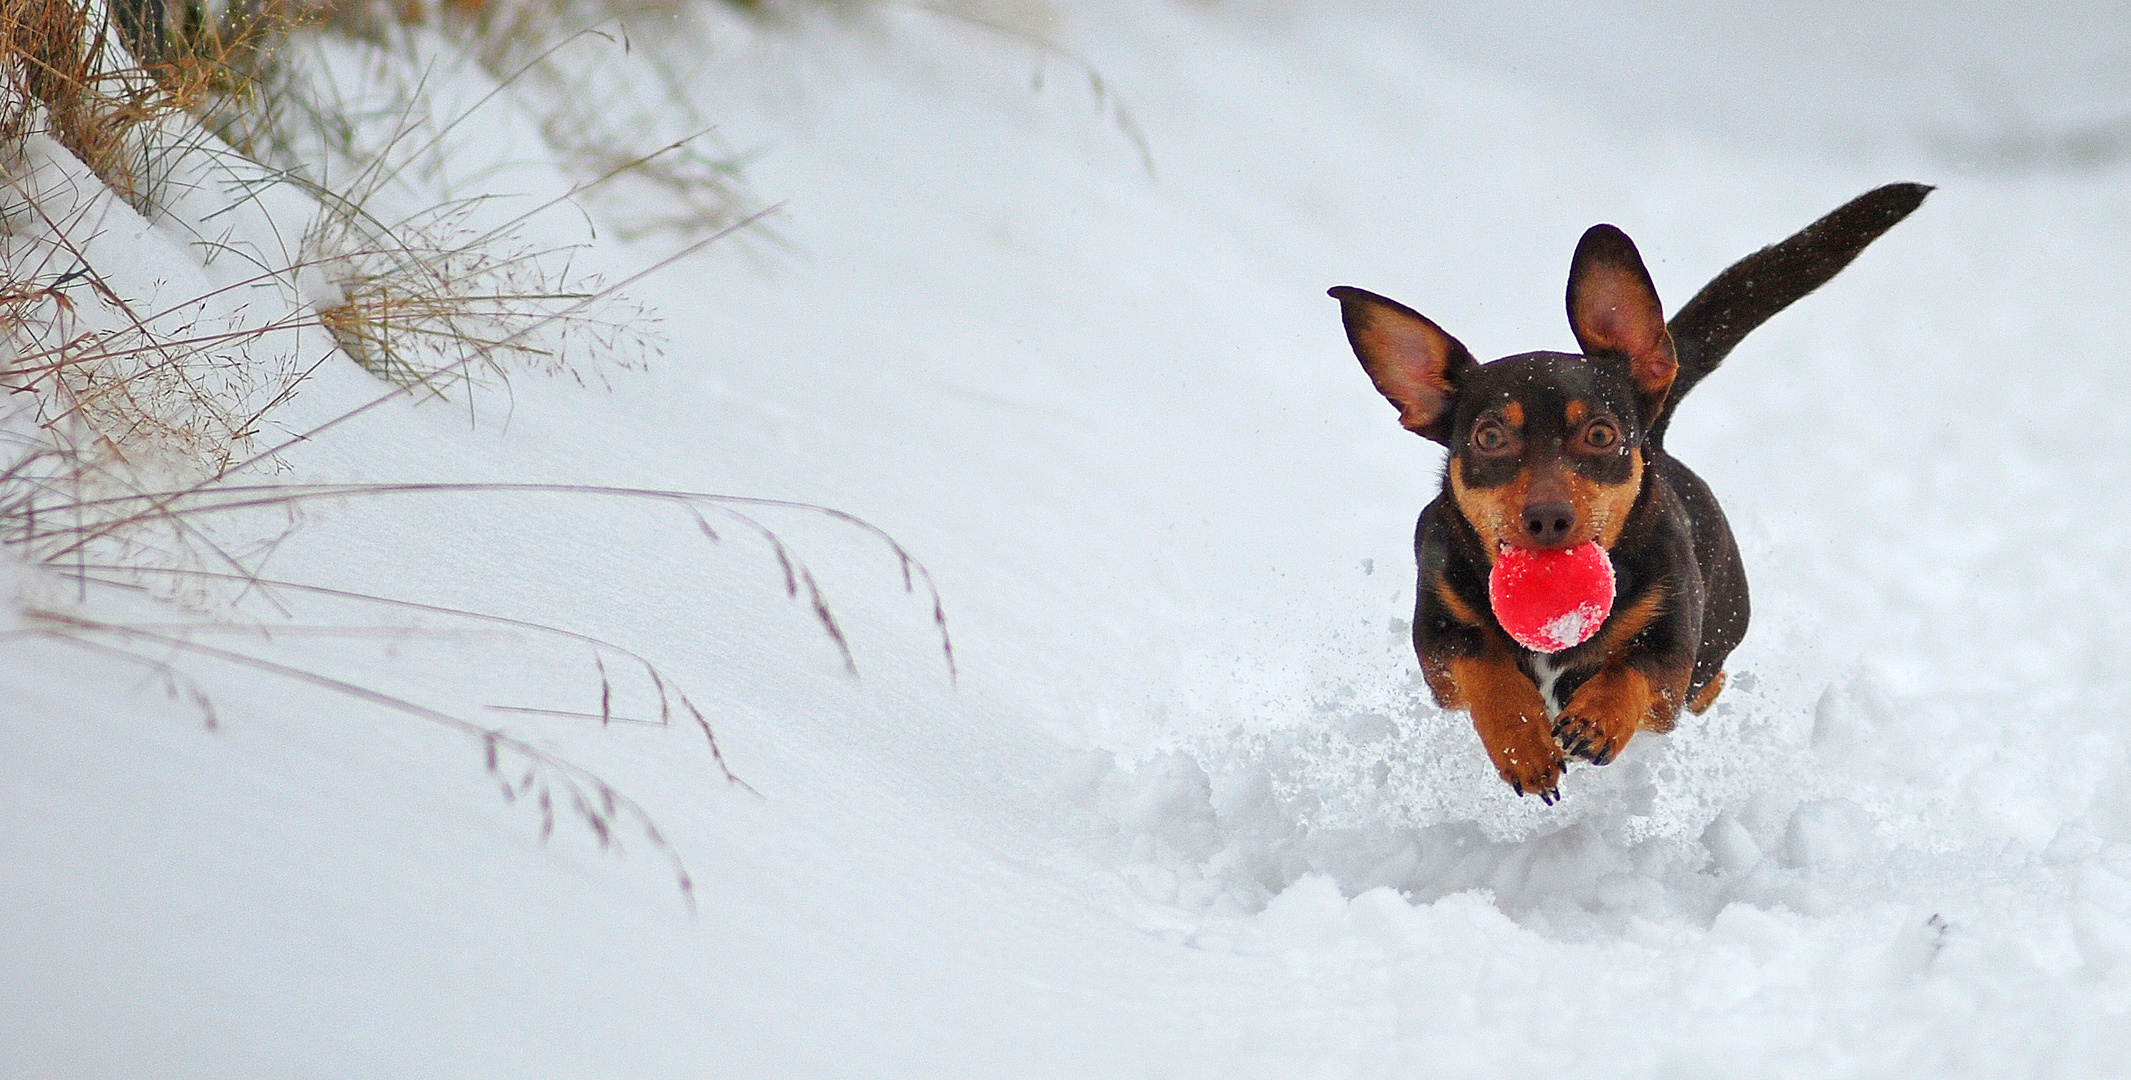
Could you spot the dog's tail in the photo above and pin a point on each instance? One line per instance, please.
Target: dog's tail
(1769, 280)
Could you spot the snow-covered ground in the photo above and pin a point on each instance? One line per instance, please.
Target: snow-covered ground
(1182, 807)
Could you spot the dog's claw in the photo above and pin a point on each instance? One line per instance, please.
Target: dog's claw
(1581, 738)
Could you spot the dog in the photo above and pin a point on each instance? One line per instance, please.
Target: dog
(1553, 450)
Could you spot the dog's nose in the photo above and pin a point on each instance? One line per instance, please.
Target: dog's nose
(1547, 524)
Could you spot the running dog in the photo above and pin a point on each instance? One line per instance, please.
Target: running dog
(1554, 450)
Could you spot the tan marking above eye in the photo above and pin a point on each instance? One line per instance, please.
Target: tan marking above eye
(1514, 413)
(1576, 412)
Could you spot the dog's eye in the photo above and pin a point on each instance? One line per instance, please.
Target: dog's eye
(1489, 438)
(1601, 435)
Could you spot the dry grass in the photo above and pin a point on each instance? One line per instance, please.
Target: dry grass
(75, 502)
(63, 544)
(126, 419)
(128, 423)
(439, 305)
(67, 75)
(422, 296)
(607, 108)
(100, 78)
(523, 771)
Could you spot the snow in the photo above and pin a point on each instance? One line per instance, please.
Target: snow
(1183, 809)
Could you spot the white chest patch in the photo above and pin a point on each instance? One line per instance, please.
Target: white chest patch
(1548, 676)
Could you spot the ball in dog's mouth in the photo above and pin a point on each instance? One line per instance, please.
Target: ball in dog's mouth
(1551, 600)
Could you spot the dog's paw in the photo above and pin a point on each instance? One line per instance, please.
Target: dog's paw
(1595, 739)
(1608, 710)
(1530, 762)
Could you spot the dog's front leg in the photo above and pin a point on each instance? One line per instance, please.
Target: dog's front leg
(1510, 716)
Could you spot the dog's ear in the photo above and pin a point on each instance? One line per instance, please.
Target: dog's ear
(1614, 310)
(1412, 361)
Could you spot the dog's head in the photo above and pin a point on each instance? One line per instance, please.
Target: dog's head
(1546, 449)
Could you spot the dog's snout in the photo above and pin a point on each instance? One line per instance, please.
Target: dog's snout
(1547, 524)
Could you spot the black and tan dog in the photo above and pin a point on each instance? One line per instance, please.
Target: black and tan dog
(1553, 450)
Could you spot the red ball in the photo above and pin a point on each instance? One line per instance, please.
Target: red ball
(1551, 600)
